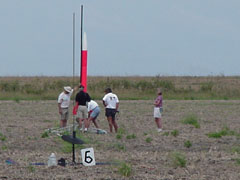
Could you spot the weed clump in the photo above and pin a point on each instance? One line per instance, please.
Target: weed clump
(119, 136)
(148, 139)
(119, 146)
(166, 134)
(4, 148)
(31, 169)
(187, 144)
(224, 132)
(2, 137)
(44, 135)
(132, 136)
(236, 149)
(191, 119)
(125, 169)
(237, 161)
(177, 159)
(175, 133)
(121, 131)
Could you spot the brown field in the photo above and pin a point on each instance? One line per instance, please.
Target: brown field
(23, 123)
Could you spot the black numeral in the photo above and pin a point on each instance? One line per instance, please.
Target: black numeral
(88, 159)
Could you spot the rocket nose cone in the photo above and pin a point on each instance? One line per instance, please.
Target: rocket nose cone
(84, 41)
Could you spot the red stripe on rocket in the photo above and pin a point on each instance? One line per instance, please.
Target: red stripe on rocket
(84, 62)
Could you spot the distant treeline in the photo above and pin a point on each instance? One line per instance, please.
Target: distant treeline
(129, 88)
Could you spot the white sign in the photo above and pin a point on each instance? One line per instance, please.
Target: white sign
(88, 158)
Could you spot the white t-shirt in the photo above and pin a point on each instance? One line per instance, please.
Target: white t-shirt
(111, 100)
(91, 105)
(64, 99)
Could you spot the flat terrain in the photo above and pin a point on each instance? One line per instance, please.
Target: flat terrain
(149, 154)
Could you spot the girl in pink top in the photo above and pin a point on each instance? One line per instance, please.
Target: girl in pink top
(158, 110)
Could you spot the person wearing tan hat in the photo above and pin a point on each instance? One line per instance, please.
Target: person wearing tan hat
(63, 104)
(158, 110)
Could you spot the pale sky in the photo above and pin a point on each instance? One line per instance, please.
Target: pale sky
(125, 37)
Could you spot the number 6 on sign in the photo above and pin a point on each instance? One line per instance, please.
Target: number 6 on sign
(88, 158)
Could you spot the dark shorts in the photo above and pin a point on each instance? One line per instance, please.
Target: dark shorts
(110, 113)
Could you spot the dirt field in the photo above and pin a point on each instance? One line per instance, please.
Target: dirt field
(149, 153)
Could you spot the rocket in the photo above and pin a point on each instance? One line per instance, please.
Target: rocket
(83, 77)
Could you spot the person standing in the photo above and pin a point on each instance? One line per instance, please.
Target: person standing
(82, 113)
(111, 104)
(64, 99)
(93, 112)
(158, 110)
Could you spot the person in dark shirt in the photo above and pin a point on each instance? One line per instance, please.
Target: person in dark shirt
(82, 113)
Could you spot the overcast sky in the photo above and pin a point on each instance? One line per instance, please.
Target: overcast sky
(125, 37)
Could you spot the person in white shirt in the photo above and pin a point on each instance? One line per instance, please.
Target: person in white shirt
(111, 104)
(93, 112)
(64, 99)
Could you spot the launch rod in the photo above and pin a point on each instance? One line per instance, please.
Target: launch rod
(81, 42)
(73, 48)
(73, 132)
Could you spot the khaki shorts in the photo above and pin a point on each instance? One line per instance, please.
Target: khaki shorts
(65, 114)
(157, 113)
(82, 112)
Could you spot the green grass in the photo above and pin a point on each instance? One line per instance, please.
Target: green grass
(4, 148)
(44, 135)
(191, 119)
(67, 147)
(237, 161)
(178, 160)
(132, 136)
(148, 139)
(187, 144)
(175, 133)
(224, 132)
(125, 169)
(166, 134)
(119, 136)
(31, 169)
(2, 137)
(16, 99)
(236, 149)
(127, 88)
(121, 131)
(215, 135)
(119, 146)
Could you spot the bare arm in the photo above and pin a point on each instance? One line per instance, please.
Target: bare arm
(76, 88)
(89, 113)
(117, 105)
(59, 108)
(156, 102)
(104, 103)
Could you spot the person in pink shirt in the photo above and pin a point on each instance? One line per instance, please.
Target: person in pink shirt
(158, 110)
